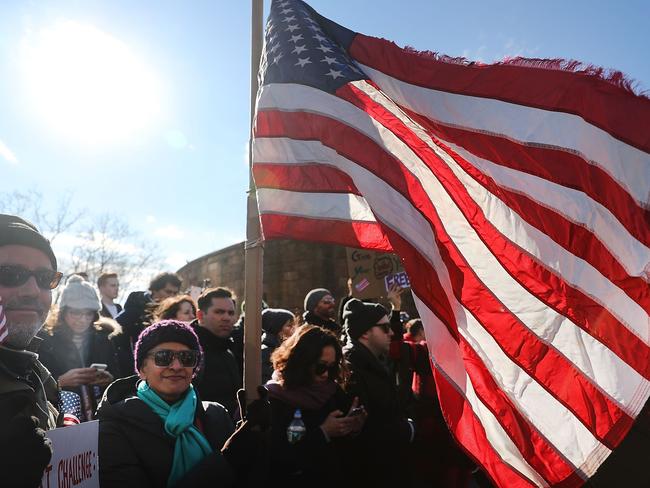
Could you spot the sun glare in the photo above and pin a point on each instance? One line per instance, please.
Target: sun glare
(87, 85)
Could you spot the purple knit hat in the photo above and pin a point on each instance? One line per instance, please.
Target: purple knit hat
(166, 331)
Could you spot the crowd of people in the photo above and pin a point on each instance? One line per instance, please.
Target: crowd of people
(348, 398)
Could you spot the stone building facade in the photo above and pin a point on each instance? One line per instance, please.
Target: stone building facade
(291, 269)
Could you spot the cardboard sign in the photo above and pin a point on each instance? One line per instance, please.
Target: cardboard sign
(367, 269)
(74, 462)
(400, 279)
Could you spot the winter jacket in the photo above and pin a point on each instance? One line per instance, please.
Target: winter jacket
(59, 354)
(26, 390)
(136, 452)
(329, 324)
(104, 312)
(313, 461)
(219, 378)
(387, 432)
(270, 343)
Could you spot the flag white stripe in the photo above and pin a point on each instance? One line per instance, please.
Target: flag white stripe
(572, 269)
(574, 440)
(629, 166)
(333, 206)
(573, 205)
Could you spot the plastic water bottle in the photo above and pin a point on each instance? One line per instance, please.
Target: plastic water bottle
(296, 429)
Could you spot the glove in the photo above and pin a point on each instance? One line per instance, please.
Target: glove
(28, 455)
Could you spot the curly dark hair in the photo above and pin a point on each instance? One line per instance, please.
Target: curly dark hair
(168, 308)
(295, 358)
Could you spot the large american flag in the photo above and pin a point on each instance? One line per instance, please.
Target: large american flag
(516, 194)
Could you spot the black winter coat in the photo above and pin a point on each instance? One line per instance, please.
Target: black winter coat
(314, 461)
(135, 451)
(59, 354)
(219, 378)
(387, 433)
(328, 324)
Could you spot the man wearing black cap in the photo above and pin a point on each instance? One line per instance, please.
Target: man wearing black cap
(387, 431)
(320, 310)
(28, 392)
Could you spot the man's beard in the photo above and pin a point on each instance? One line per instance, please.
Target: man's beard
(20, 335)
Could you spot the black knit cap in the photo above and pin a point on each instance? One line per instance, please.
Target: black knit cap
(17, 231)
(360, 317)
(273, 319)
(166, 331)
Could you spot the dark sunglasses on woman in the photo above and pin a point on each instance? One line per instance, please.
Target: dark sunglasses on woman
(165, 357)
(321, 368)
(12, 276)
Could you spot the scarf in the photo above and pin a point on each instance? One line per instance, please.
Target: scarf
(191, 446)
(310, 397)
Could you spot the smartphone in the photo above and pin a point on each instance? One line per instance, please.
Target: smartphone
(99, 366)
(356, 411)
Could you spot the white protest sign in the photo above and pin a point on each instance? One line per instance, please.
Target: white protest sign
(74, 462)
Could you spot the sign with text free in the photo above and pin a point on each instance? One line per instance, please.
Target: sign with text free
(400, 279)
(367, 270)
(74, 462)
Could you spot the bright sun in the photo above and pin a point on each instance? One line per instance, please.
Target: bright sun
(87, 85)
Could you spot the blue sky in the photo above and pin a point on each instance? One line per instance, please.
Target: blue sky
(180, 176)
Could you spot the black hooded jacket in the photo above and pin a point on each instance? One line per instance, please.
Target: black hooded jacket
(135, 451)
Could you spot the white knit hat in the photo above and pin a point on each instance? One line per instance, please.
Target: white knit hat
(79, 294)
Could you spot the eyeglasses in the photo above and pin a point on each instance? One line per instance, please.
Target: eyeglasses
(12, 276)
(80, 312)
(321, 368)
(165, 357)
(327, 300)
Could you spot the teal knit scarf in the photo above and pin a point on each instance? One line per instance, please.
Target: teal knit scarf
(191, 446)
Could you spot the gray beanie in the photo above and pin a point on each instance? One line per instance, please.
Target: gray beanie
(79, 294)
(313, 297)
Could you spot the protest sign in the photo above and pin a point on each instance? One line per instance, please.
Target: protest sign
(367, 269)
(400, 279)
(74, 462)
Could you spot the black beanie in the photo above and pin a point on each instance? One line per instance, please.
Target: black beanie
(274, 318)
(313, 297)
(360, 317)
(17, 231)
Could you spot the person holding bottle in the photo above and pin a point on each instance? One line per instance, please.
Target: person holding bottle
(313, 421)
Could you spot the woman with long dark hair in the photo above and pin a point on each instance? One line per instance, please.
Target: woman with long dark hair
(306, 390)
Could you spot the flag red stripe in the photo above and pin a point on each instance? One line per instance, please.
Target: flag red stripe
(561, 167)
(592, 317)
(608, 107)
(304, 177)
(367, 235)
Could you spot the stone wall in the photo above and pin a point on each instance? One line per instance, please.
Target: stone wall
(291, 269)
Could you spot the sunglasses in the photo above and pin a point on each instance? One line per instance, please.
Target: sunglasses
(12, 276)
(321, 368)
(384, 327)
(165, 358)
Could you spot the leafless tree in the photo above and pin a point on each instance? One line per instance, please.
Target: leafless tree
(87, 243)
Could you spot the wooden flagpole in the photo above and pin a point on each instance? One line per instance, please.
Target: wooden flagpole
(254, 251)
